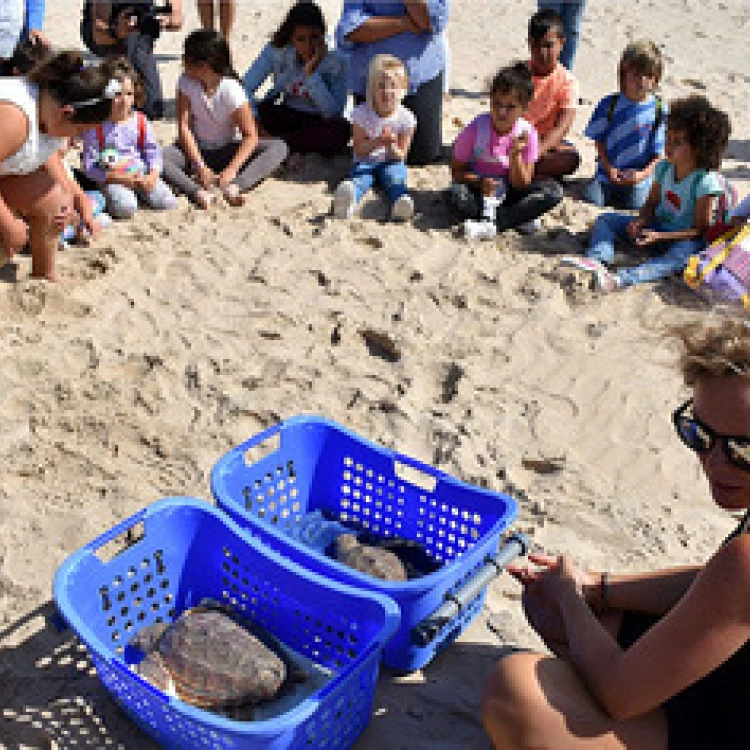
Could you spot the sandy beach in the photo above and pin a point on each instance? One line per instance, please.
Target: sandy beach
(179, 335)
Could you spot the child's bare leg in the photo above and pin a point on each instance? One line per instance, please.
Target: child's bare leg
(40, 199)
(558, 162)
(206, 13)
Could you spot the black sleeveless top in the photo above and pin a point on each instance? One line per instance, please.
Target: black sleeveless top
(713, 713)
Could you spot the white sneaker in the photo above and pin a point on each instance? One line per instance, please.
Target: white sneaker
(344, 200)
(480, 230)
(529, 227)
(403, 208)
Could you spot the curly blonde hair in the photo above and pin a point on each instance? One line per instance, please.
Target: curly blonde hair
(718, 347)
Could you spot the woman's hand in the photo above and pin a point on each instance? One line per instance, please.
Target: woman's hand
(83, 207)
(543, 587)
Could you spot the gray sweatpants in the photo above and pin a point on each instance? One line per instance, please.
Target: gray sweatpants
(266, 158)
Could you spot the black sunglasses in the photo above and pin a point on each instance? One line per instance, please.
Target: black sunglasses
(700, 438)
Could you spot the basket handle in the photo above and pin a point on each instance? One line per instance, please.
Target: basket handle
(261, 437)
(121, 528)
(415, 472)
(426, 631)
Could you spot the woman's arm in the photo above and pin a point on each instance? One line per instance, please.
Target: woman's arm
(655, 592)
(709, 624)
(383, 27)
(13, 230)
(419, 13)
(243, 119)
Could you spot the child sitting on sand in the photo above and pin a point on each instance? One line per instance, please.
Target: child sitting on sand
(122, 155)
(218, 144)
(679, 207)
(553, 107)
(628, 129)
(312, 81)
(493, 163)
(383, 130)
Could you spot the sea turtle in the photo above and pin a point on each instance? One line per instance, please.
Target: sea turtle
(369, 559)
(208, 658)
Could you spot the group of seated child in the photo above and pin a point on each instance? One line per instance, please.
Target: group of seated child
(506, 164)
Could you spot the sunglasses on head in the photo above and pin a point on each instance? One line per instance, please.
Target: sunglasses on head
(700, 438)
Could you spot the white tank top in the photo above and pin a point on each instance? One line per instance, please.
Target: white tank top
(38, 147)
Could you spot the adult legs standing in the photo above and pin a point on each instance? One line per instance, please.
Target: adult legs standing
(572, 14)
(426, 103)
(227, 15)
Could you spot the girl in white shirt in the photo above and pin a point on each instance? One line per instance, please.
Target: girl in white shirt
(218, 144)
(60, 98)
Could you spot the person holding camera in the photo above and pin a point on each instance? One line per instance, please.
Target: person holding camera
(130, 29)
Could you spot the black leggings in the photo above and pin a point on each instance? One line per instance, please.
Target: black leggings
(709, 714)
(139, 49)
(520, 205)
(426, 104)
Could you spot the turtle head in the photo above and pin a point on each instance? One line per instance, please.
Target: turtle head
(345, 543)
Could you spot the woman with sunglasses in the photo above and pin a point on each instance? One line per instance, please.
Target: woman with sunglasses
(651, 661)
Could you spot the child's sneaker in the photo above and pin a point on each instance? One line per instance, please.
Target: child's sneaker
(582, 263)
(403, 208)
(480, 230)
(606, 281)
(529, 227)
(344, 200)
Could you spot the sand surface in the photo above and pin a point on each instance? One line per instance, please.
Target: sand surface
(180, 335)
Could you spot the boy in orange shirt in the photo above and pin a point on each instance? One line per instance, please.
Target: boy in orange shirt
(553, 106)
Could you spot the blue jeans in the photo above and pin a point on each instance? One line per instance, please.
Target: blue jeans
(572, 15)
(390, 175)
(626, 196)
(611, 226)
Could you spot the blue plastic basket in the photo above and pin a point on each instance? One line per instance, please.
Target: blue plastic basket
(175, 553)
(316, 464)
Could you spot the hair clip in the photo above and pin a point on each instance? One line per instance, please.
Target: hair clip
(111, 90)
(114, 87)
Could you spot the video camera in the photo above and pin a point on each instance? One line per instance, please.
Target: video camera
(146, 16)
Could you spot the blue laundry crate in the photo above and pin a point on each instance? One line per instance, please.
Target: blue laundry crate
(178, 551)
(318, 465)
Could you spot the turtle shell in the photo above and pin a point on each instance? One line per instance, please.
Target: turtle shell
(373, 561)
(215, 662)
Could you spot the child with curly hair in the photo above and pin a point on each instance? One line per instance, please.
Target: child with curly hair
(679, 207)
